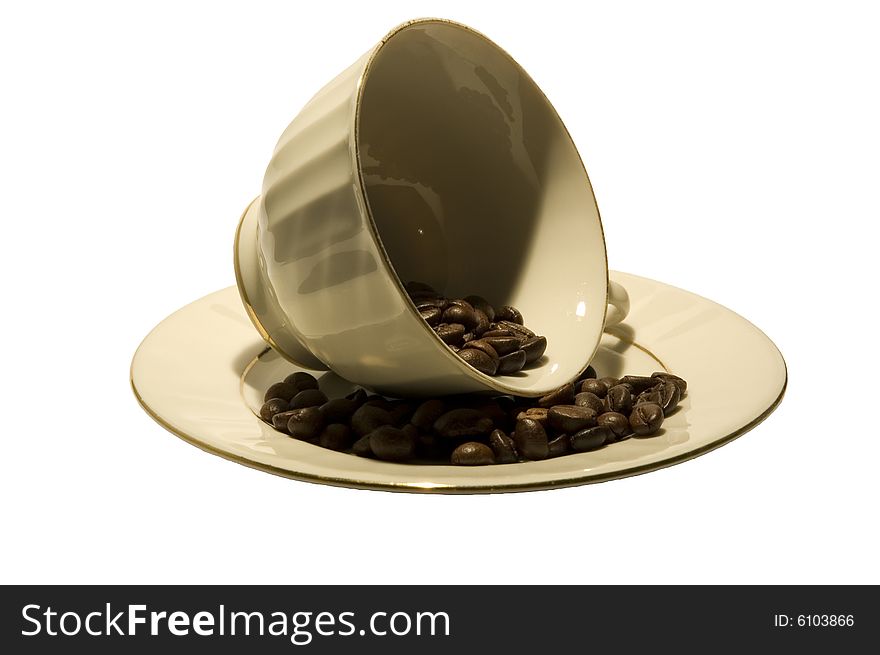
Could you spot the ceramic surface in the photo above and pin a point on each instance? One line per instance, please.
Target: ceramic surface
(433, 158)
(201, 374)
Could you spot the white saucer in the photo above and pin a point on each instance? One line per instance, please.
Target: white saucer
(201, 374)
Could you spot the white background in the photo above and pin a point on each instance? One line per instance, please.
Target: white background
(733, 150)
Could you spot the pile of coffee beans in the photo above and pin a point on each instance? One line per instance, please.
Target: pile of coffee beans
(580, 416)
(492, 340)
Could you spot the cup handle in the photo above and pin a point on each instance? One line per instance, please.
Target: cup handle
(618, 304)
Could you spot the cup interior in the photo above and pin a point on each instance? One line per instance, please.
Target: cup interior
(475, 187)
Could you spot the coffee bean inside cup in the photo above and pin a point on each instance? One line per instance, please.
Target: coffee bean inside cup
(476, 430)
(503, 345)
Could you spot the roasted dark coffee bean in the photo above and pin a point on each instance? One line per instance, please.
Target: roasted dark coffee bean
(473, 453)
(595, 387)
(539, 414)
(305, 423)
(591, 438)
(463, 422)
(616, 422)
(609, 381)
(338, 410)
(450, 333)
(479, 360)
(401, 411)
(508, 313)
(379, 401)
(361, 447)
(302, 380)
(486, 347)
(503, 345)
(460, 311)
(670, 395)
(618, 399)
(273, 406)
(516, 328)
(279, 421)
(336, 436)
(512, 362)
(283, 390)
(564, 395)
(588, 374)
(534, 348)
(503, 447)
(591, 400)
(559, 446)
(392, 444)
(428, 412)
(649, 396)
(492, 410)
(499, 333)
(308, 398)
(359, 396)
(571, 418)
(482, 323)
(639, 383)
(478, 302)
(468, 336)
(431, 315)
(369, 417)
(414, 286)
(646, 419)
(531, 439)
(431, 303)
(681, 383)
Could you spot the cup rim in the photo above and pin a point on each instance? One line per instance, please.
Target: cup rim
(488, 382)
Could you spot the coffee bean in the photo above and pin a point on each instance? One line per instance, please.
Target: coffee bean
(516, 328)
(479, 360)
(508, 313)
(302, 380)
(539, 414)
(451, 333)
(618, 399)
(590, 439)
(512, 362)
(392, 444)
(564, 395)
(468, 336)
(616, 422)
(638, 383)
(534, 348)
(503, 345)
(305, 423)
(335, 436)
(381, 402)
(609, 382)
(590, 400)
(595, 387)
(499, 333)
(482, 323)
(682, 384)
(428, 412)
(571, 418)
(503, 447)
(649, 396)
(473, 453)
(431, 303)
(369, 417)
(431, 315)
(418, 287)
(492, 410)
(478, 302)
(338, 410)
(273, 406)
(283, 390)
(460, 311)
(588, 374)
(401, 411)
(486, 347)
(559, 446)
(308, 398)
(646, 419)
(463, 422)
(359, 396)
(362, 448)
(670, 395)
(531, 439)
(279, 421)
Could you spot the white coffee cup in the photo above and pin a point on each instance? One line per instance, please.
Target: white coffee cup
(433, 158)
